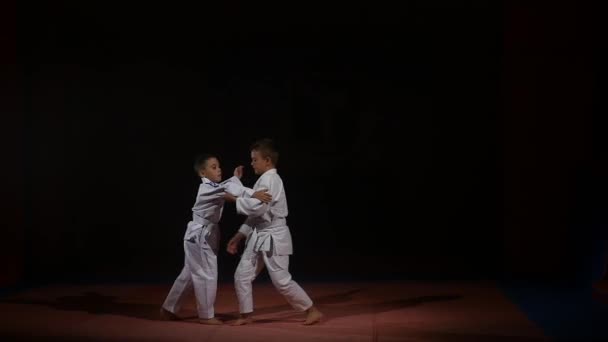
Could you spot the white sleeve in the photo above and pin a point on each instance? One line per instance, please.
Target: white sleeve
(254, 207)
(209, 193)
(234, 187)
(246, 228)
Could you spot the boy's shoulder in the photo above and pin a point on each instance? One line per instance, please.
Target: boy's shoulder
(271, 178)
(271, 175)
(210, 184)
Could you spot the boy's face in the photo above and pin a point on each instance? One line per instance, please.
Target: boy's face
(211, 170)
(259, 163)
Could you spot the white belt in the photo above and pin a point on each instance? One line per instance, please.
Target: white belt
(262, 234)
(197, 225)
(201, 221)
(277, 222)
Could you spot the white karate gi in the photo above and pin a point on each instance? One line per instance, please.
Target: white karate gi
(268, 243)
(201, 243)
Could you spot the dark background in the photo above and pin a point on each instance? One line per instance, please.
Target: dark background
(434, 139)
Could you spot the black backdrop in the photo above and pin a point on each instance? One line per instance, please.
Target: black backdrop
(431, 140)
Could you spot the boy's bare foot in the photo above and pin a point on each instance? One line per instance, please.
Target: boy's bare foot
(244, 319)
(313, 316)
(210, 321)
(166, 315)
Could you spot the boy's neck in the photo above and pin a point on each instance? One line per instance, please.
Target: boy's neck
(268, 169)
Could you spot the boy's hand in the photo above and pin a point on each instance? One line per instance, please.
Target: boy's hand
(228, 197)
(233, 244)
(233, 247)
(262, 195)
(238, 171)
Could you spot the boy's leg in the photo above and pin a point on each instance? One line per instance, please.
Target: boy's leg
(247, 270)
(278, 269)
(181, 286)
(202, 263)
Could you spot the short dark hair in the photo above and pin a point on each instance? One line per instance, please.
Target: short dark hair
(267, 149)
(201, 160)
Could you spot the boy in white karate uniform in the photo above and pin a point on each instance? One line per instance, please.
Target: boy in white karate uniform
(201, 241)
(268, 240)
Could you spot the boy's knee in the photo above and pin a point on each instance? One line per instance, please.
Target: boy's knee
(281, 283)
(205, 275)
(240, 276)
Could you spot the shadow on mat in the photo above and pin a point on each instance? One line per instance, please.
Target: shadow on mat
(342, 305)
(333, 306)
(95, 303)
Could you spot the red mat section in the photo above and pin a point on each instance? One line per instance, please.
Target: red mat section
(404, 311)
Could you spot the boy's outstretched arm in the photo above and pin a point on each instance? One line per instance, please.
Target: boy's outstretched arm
(234, 188)
(254, 208)
(261, 195)
(229, 197)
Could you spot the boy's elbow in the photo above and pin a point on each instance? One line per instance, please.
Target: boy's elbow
(258, 210)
